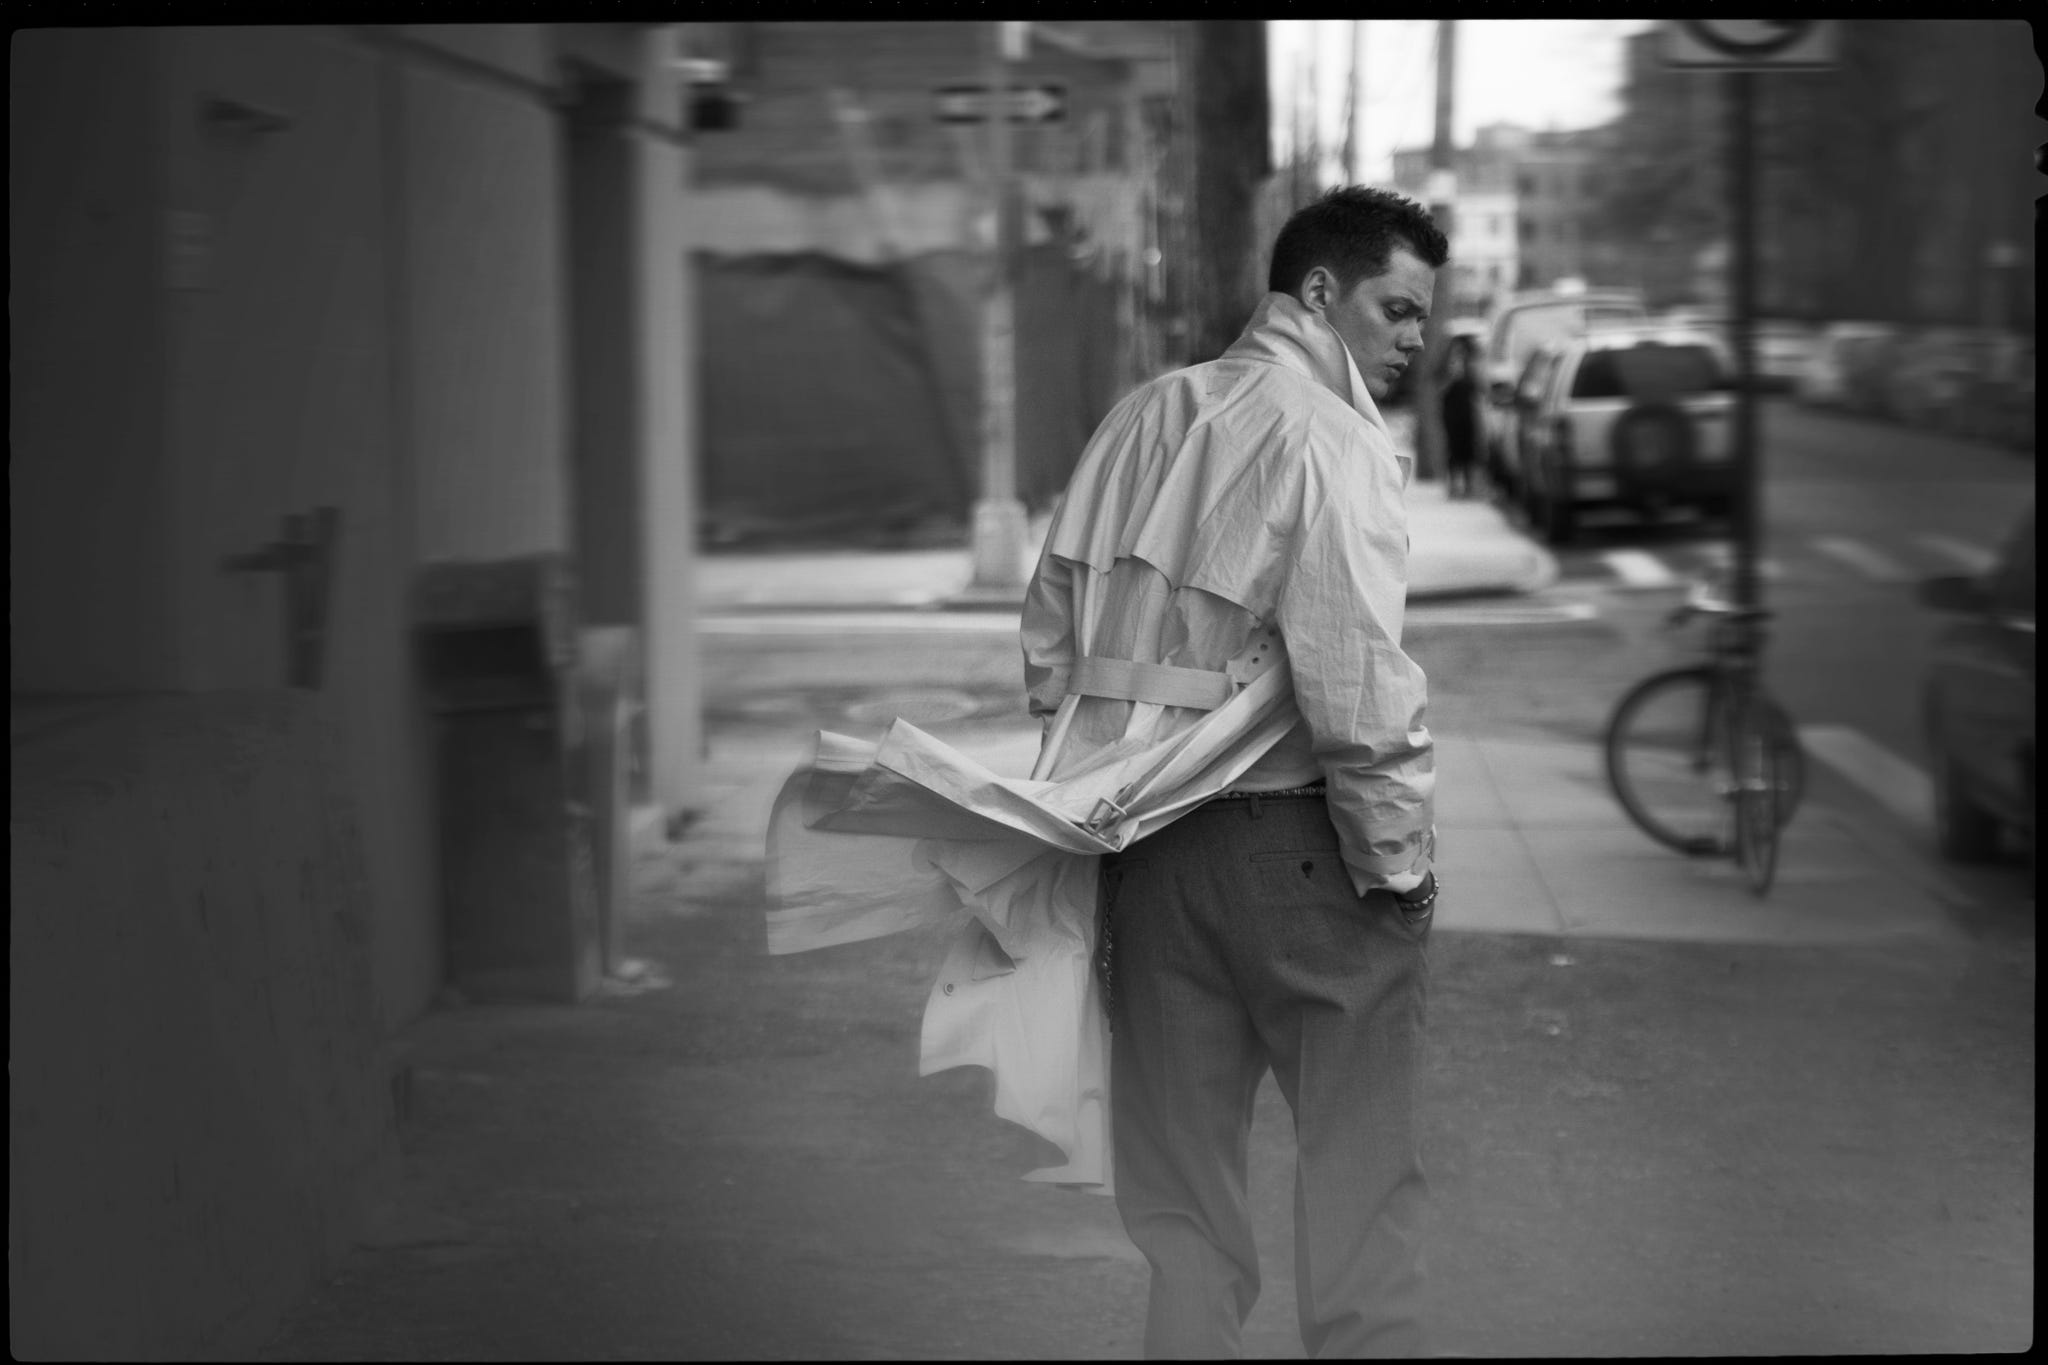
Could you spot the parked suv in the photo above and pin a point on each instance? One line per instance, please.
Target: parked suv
(1513, 332)
(1977, 704)
(1633, 417)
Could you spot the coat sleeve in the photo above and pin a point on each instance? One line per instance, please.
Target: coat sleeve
(1362, 697)
(1048, 633)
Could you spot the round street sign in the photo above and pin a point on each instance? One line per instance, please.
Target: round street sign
(1764, 44)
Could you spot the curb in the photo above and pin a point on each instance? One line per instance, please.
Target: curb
(1537, 576)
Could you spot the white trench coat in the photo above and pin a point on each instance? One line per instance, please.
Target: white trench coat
(872, 838)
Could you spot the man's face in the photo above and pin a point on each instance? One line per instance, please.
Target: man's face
(1380, 319)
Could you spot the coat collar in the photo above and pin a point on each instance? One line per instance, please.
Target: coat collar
(1284, 331)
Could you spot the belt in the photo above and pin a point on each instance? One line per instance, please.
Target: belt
(1319, 789)
(1168, 685)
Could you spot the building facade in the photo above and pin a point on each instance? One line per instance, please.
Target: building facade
(853, 190)
(309, 323)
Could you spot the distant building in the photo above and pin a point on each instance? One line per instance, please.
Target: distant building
(1898, 184)
(1525, 212)
(1666, 148)
(1487, 251)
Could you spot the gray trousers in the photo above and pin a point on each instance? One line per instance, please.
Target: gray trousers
(1236, 943)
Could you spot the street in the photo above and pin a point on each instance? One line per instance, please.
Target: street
(1857, 512)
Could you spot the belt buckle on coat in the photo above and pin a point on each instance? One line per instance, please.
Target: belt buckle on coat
(1100, 817)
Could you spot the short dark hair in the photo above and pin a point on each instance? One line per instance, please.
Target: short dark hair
(1352, 232)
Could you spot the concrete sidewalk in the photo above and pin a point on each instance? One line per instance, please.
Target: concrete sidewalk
(1533, 842)
(1456, 548)
(1530, 836)
(1661, 1116)
(1637, 1146)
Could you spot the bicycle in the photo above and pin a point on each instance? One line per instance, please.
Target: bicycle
(1700, 757)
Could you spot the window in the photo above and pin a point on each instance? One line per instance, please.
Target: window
(1525, 183)
(1648, 370)
(1535, 378)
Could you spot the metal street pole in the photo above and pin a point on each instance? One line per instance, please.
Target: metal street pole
(1748, 461)
(1430, 461)
(999, 523)
(1354, 150)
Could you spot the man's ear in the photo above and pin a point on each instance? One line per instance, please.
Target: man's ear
(1318, 289)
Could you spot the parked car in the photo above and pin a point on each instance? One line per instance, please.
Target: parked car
(1998, 402)
(1782, 349)
(1624, 416)
(1516, 327)
(1929, 378)
(1977, 702)
(1846, 365)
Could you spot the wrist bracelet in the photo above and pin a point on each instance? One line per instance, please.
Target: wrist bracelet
(1435, 885)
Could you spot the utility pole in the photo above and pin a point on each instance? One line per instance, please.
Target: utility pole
(1442, 191)
(1227, 95)
(999, 523)
(1741, 86)
(1354, 146)
(1297, 147)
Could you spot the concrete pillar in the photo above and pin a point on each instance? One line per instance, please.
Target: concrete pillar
(667, 326)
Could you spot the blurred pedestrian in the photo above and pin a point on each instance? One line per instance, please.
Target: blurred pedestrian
(1227, 520)
(1461, 414)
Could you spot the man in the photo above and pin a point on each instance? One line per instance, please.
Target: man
(1225, 519)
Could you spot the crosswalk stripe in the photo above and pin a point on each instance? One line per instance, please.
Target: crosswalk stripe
(1866, 560)
(1721, 555)
(1896, 783)
(1638, 569)
(1972, 558)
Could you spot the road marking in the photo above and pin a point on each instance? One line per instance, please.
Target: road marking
(1721, 555)
(1897, 784)
(1973, 559)
(856, 622)
(1505, 614)
(1637, 569)
(1870, 562)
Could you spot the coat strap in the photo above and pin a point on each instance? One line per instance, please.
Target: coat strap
(1165, 684)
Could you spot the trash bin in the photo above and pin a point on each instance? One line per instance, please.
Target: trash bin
(521, 899)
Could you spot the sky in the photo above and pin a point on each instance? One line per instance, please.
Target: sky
(1542, 73)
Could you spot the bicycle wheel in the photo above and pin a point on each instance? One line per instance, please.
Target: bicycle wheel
(1787, 756)
(1667, 759)
(1753, 756)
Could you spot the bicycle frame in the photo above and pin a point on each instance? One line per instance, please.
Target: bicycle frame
(1743, 750)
